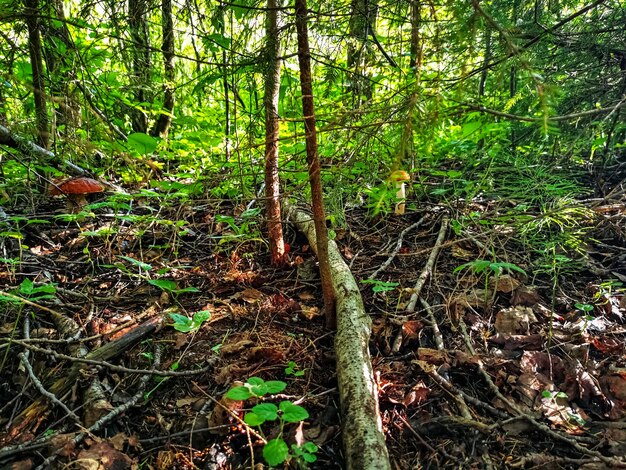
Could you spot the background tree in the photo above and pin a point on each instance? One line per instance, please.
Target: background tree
(272, 133)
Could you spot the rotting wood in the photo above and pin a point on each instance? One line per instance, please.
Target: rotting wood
(39, 407)
(363, 437)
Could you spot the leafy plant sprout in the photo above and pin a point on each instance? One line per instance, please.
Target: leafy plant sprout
(275, 451)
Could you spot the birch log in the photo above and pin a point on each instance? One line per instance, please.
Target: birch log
(362, 433)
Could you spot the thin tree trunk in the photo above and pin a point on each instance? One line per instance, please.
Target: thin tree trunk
(272, 133)
(362, 22)
(313, 161)
(34, 44)
(140, 52)
(162, 125)
(486, 61)
(417, 49)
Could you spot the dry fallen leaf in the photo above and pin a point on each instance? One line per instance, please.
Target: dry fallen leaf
(504, 283)
(310, 312)
(516, 320)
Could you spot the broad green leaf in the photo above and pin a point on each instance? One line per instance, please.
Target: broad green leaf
(275, 452)
(164, 284)
(293, 413)
(268, 411)
(140, 264)
(142, 143)
(238, 393)
(201, 316)
(275, 386)
(253, 419)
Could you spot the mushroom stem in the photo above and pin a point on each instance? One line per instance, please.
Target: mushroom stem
(400, 197)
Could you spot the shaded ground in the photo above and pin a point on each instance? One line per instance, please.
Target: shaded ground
(497, 369)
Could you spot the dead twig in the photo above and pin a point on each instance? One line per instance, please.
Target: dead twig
(428, 269)
(437, 336)
(396, 250)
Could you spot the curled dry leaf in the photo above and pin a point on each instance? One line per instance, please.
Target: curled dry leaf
(504, 283)
(418, 394)
(221, 413)
(516, 320)
(310, 312)
(411, 329)
(524, 295)
(102, 456)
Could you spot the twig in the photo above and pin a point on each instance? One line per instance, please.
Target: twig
(433, 324)
(39, 386)
(612, 462)
(422, 440)
(396, 249)
(428, 269)
(162, 373)
(111, 415)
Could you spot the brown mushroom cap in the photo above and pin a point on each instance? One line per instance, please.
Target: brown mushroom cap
(399, 176)
(80, 185)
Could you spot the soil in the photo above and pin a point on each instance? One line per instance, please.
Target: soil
(509, 363)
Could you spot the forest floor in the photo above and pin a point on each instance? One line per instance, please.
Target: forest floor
(509, 362)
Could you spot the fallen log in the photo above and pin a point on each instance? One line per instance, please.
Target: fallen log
(362, 432)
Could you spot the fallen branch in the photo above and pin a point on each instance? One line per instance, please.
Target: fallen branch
(428, 269)
(396, 250)
(363, 436)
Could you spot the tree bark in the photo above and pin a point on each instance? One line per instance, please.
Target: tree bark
(140, 52)
(362, 22)
(272, 133)
(362, 432)
(313, 162)
(162, 126)
(417, 48)
(36, 61)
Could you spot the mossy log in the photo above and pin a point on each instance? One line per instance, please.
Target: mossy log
(362, 433)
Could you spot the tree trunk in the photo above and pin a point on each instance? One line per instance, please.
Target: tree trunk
(162, 126)
(417, 48)
(272, 133)
(313, 162)
(362, 21)
(140, 52)
(34, 45)
(362, 432)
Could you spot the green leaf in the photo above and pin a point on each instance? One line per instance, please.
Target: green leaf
(140, 264)
(268, 411)
(164, 284)
(187, 289)
(275, 386)
(142, 143)
(275, 452)
(238, 393)
(201, 316)
(477, 266)
(293, 413)
(253, 419)
(181, 323)
(26, 287)
(470, 127)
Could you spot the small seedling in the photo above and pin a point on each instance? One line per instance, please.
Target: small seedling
(293, 369)
(275, 451)
(189, 325)
(487, 267)
(585, 308)
(380, 286)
